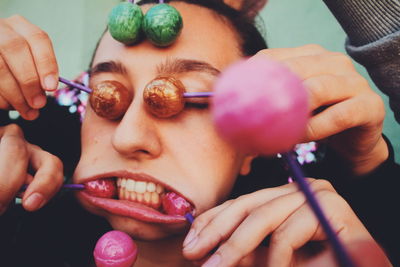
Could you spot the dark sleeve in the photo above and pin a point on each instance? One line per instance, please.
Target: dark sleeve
(374, 197)
(56, 131)
(373, 30)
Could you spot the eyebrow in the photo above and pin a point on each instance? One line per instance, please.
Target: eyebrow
(170, 66)
(108, 67)
(177, 66)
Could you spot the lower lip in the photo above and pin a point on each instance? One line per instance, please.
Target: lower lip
(132, 210)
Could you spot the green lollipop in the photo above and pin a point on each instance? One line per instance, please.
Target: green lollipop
(162, 24)
(125, 23)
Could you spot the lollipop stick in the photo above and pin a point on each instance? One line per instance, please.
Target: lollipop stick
(198, 94)
(341, 254)
(65, 186)
(75, 85)
(189, 217)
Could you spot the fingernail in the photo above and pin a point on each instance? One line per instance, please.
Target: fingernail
(32, 114)
(190, 245)
(34, 201)
(39, 101)
(189, 237)
(50, 82)
(213, 261)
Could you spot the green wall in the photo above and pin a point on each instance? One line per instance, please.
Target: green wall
(75, 25)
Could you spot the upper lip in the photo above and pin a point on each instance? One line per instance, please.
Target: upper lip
(137, 177)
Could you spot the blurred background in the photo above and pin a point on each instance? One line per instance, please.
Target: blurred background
(75, 27)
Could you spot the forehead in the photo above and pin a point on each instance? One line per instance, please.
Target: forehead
(205, 37)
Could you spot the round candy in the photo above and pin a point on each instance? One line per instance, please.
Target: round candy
(115, 249)
(162, 24)
(110, 99)
(164, 97)
(125, 22)
(260, 106)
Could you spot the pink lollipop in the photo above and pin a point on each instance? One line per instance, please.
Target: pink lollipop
(115, 249)
(260, 106)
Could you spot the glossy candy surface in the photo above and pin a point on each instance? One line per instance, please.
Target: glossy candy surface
(125, 23)
(174, 204)
(162, 24)
(164, 97)
(110, 99)
(260, 106)
(115, 249)
(104, 188)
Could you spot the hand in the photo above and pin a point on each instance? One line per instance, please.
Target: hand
(238, 226)
(16, 157)
(27, 66)
(347, 113)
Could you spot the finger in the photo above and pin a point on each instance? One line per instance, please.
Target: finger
(303, 226)
(321, 64)
(326, 90)
(41, 49)
(202, 238)
(16, 53)
(279, 54)
(342, 116)
(12, 95)
(47, 180)
(13, 152)
(261, 222)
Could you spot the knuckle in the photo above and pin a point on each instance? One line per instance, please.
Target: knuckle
(311, 132)
(38, 34)
(322, 184)
(16, 17)
(12, 43)
(30, 81)
(343, 60)
(314, 47)
(341, 118)
(14, 129)
(316, 86)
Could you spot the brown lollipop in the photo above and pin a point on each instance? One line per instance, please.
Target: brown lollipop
(110, 99)
(164, 96)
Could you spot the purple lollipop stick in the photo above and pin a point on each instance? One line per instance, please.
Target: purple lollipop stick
(75, 85)
(189, 217)
(341, 254)
(65, 186)
(88, 90)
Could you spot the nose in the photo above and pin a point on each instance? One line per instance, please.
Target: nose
(137, 136)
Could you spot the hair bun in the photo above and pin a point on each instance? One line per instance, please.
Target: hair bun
(250, 8)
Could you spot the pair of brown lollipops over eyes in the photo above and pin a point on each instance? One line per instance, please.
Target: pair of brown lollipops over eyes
(163, 96)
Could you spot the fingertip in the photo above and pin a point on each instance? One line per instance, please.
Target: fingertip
(34, 202)
(32, 114)
(50, 82)
(39, 101)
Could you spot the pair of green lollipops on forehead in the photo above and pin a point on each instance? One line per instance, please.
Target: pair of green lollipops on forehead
(161, 24)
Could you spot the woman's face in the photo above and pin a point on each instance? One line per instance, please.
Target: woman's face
(182, 154)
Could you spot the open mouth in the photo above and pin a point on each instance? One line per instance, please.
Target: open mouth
(137, 198)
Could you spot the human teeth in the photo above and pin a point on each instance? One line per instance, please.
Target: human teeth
(147, 197)
(159, 189)
(132, 196)
(140, 187)
(130, 185)
(151, 187)
(155, 200)
(123, 182)
(119, 182)
(139, 198)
